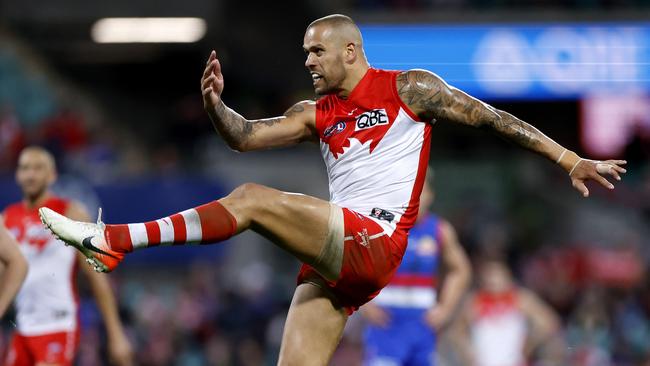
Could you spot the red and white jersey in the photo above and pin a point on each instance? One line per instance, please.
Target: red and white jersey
(47, 301)
(499, 330)
(376, 151)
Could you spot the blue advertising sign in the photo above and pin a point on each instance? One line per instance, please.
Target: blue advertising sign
(516, 61)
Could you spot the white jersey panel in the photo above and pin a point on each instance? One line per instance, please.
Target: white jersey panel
(361, 180)
(46, 302)
(499, 339)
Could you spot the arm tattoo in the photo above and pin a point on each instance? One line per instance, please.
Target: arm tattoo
(434, 99)
(237, 130)
(516, 130)
(431, 98)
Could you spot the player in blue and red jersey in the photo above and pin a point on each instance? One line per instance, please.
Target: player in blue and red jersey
(404, 317)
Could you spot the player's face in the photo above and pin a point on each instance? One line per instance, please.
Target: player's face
(495, 277)
(34, 174)
(324, 59)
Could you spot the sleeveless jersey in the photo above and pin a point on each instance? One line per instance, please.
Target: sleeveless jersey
(47, 301)
(414, 283)
(376, 151)
(498, 330)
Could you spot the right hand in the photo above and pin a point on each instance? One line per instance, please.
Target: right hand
(375, 315)
(586, 169)
(212, 83)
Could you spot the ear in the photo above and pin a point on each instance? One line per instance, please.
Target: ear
(53, 177)
(351, 53)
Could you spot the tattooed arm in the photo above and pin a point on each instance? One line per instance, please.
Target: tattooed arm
(296, 125)
(432, 99)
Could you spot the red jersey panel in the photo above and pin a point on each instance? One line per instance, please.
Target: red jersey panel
(376, 152)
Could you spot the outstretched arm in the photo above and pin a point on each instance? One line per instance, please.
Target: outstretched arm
(296, 125)
(15, 268)
(431, 98)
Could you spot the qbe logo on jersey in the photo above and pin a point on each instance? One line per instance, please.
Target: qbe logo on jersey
(371, 119)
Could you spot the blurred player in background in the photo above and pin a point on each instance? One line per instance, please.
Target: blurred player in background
(13, 268)
(407, 313)
(504, 324)
(374, 129)
(47, 331)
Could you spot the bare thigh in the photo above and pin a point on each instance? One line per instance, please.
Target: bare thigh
(297, 223)
(313, 328)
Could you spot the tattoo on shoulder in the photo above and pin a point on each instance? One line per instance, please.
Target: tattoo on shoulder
(295, 109)
(423, 92)
(431, 98)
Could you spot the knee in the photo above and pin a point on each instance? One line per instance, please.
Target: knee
(248, 191)
(251, 195)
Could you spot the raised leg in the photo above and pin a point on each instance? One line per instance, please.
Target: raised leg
(297, 223)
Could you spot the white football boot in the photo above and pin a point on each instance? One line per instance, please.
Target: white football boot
(87, 237)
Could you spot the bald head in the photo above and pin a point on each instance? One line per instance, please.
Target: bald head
(341, 27)
(335, 56)
(36, 171)
(37, 152)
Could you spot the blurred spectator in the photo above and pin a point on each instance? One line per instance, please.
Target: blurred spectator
(507, 325)
(588, 331)
(12, 137)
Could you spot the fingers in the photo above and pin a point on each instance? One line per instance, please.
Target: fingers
(213, 55)
(210, 65)
(217, 66)
(617, 162)
(207, 82)
(581, 187)
(604, 182)
(596, 171)
(606, 168)
(610, 167)
(207, 72)
(615, 165)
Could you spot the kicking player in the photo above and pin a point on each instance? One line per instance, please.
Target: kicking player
(47, 330)
(13, 269)
(405, 316)
(373, 127)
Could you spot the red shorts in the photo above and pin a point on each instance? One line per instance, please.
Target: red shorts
(58, 348)
(370, 258)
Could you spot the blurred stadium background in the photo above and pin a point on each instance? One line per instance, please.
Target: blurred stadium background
(126, 124)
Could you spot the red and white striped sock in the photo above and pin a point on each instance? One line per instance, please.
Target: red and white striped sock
(204, 224)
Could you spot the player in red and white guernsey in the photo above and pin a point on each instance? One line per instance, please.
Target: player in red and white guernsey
(506, 324)
(13, 268)
(374, 128)
(47, 324)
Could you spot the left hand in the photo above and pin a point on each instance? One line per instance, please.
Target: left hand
(120, 351)
(437, 317)
(586, 169)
